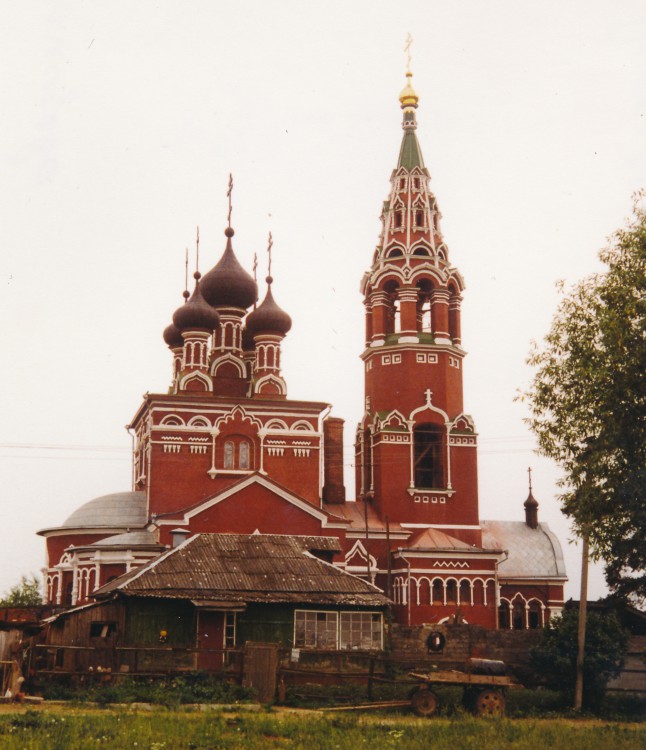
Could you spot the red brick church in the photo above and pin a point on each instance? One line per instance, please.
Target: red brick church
(226, 451)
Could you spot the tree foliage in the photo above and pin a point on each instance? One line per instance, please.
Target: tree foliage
(588, 405)
(23, 594)
(554, 658)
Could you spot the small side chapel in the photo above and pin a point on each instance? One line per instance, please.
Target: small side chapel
(226, 451)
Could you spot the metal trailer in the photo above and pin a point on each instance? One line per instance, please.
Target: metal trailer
(484, 694)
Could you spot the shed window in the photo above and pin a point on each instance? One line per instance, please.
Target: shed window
(315, 629)
(229, 629)
(338, 630)
(102, 629)
(361, 630)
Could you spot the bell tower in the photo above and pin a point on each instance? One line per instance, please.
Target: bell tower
(415, 448)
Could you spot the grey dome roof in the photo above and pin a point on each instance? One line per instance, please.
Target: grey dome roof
(533, 553)
(120, 509)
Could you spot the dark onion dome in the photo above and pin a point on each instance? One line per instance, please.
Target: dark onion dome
(531, 501)
(196, 314)
(173, 336)
(268, 317)
(227, 284)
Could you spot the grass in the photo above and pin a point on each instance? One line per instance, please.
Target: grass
(538, 703)
(163, 729)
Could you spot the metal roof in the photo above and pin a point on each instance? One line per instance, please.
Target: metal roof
(120, 509)
(249, 568)
(434, 539)
(130, 539)
(533, 553)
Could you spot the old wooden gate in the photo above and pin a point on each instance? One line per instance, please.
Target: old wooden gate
(260, 668)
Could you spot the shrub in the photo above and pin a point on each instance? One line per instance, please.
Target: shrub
(554, 658)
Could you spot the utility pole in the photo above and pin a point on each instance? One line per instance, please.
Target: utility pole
(583, 610)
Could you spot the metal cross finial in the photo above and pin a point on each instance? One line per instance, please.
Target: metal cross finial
(255, 266)
(197, 252)
(529, 472)
(409, 41)
(186, 293)
(270, 244)
(229, 191)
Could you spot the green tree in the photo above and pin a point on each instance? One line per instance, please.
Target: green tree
(587, 405)
(554, 658)
(23, 594)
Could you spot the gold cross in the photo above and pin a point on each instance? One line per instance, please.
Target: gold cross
(409, 41)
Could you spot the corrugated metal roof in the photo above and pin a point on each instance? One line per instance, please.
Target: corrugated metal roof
(256, 567)
(533, 553)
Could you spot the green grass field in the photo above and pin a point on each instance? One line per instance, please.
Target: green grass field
(173, 729)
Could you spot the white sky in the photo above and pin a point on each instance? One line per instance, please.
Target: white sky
(121, 121)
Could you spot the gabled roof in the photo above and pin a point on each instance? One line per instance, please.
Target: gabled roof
(184, 515)
(533, 553)
(247, 568)
(434, 539)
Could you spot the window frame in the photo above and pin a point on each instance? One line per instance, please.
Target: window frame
(348, 625)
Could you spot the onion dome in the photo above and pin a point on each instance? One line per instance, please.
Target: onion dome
(173, 336)
(227, 284)
(531, 507)
(408, 97)
(268, 317)
(196, 314)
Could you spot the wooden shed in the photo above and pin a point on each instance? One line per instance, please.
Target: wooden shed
(197, 603)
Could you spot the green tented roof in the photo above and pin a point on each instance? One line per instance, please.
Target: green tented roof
(410, 154)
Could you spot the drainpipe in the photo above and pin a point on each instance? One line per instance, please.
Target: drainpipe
(132, 455)
(506, 557)
(322, 417)
(401, 554)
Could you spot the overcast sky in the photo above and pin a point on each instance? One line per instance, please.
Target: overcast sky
(121, 121)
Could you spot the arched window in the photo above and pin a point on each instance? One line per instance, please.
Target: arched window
(518, 615)
(229, 455)
(392, 317)
(451, 591)
(504, 623)
(424, 306)
(478, 592)
(465, 592)
(243, 454)
(428, 442)
(237, 454)
(438, 591)
(534, 615)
